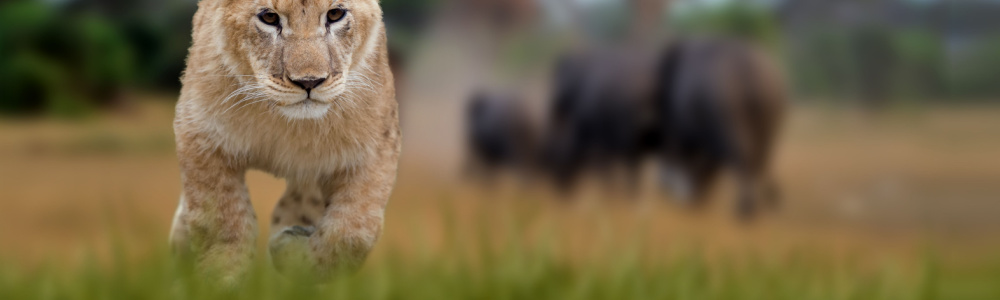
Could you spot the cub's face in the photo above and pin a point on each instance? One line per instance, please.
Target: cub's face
(298, 55)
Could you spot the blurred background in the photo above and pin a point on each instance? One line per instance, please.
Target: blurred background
(886, 154)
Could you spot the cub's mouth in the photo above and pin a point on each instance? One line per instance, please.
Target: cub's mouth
(307, 101)
(305, 109)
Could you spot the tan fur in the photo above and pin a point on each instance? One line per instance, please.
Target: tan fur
(239, 110)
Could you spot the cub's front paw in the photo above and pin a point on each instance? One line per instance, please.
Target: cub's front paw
(289, 249)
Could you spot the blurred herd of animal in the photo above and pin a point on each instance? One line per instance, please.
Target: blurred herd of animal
(699, 107)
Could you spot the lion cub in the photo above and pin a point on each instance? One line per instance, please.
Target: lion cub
(299, 89)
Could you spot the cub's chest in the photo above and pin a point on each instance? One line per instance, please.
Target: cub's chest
(292, 149)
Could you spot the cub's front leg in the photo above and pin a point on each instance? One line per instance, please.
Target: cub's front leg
(215, 224)
(350, 226)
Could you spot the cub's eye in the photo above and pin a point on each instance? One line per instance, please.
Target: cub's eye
(270, 18)
(335, 15)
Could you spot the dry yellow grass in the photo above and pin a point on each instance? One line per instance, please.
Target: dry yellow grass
(880, 189)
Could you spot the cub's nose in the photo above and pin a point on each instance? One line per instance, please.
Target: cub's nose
(308, 83)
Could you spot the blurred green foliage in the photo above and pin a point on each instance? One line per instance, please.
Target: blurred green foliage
(69, 58)
(976, 74)
(405, 20)
(869, 64)
(735, 20)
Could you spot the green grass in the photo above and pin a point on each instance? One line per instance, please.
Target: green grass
(514, 273)
(505, 265)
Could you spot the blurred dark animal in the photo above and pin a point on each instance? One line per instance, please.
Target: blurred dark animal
(499, 134)
(721, 104)
(601, 118)
(705, 105)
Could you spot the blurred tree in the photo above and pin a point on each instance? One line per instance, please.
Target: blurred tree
(874, 59)
(56, 63)
(738, 19)
(876, 51)
(974, 74)
(405, 20)
(103, 58)
(20, 81)
(68, 57)
(921, 65)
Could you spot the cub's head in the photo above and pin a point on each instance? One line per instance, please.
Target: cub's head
(301, 56)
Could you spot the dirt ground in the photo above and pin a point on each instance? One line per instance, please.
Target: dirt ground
(882, 188)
